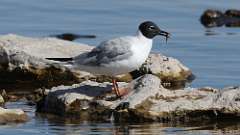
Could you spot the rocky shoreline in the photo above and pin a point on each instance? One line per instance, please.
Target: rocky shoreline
(148, 100)
(156, 90)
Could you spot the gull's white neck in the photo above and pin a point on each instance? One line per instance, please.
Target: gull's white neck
(141, 37)
(141, 48)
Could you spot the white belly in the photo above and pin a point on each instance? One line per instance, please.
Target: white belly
(113, 68)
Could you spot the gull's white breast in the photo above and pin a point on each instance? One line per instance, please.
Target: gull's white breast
(140, 48)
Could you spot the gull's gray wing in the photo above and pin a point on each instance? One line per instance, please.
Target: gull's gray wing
(108, 51)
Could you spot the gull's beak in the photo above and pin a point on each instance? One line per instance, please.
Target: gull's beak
(164, 33)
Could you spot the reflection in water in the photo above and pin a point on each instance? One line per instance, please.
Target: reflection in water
(231, 33)
(210, 32)
(51, 124)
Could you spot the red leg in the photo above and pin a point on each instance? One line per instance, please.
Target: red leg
(115, 87)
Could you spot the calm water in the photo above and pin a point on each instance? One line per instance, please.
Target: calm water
(213, 59)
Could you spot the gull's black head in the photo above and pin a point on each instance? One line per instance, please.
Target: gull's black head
(150, 30)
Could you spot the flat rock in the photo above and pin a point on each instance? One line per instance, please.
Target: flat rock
(80, 100)
(23, 61)
(42, 47)
(12, 115)
(147, 100)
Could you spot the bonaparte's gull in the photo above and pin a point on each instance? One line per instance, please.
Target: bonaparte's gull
(120, 55)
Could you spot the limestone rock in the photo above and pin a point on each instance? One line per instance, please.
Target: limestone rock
(12, 115)
(183, 105)
(23, 60)
(172, 72)
(147, 100)
(42, 47)
(84, 100)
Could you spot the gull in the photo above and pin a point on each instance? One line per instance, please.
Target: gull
(120, 55)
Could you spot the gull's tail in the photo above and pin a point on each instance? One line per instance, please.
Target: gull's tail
(70, 62)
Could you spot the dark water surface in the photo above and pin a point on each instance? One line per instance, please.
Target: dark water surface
(212, 54)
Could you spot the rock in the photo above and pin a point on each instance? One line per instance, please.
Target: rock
(184, 105)
(233, 13)
(24, 62)
(1, 100)
(80, 100)
(212, 18)
(3, 93)
(3, 96)
(147, 100)
(42, 47)
(71, 36)
(216, 18)
(173, 74)
(12, 115)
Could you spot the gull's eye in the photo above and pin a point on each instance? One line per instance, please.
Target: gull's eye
(151, 27)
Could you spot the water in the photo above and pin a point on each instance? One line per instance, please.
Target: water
(213, 59)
